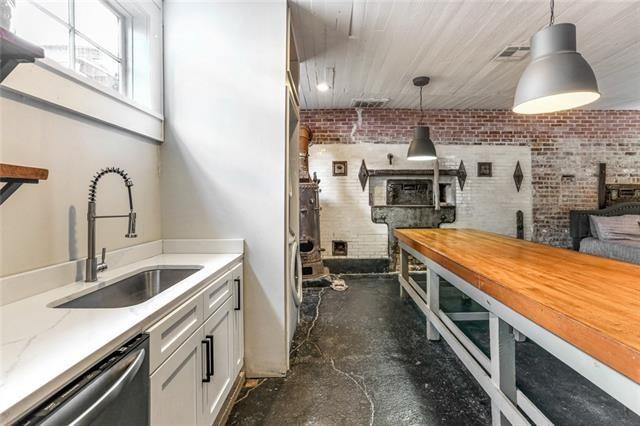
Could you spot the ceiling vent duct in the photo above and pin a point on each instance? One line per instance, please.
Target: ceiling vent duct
(512, 53)
(369, 102)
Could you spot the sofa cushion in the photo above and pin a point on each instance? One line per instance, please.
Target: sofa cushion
(625, 227)
(625, 250)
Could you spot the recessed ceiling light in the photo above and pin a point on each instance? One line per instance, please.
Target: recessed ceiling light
(323, 86)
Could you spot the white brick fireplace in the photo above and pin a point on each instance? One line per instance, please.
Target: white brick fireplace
(487, 203)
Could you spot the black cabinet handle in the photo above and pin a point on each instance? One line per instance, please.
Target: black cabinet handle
(238, 306)
(207, 349)
(211, 363)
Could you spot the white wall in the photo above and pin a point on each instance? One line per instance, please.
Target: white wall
(45, 224)
(486, 203)
(223, 162)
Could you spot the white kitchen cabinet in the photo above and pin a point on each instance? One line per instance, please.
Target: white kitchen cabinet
(197, 351)
(176, 386)
(238, 319)
(218, 330)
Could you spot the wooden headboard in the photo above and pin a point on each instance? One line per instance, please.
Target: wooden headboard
(579, 219)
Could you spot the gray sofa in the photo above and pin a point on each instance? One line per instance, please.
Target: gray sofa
(584, 241)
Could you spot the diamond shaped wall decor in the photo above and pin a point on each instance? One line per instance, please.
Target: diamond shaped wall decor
(363, 175)
(462, 175)
(518, 176)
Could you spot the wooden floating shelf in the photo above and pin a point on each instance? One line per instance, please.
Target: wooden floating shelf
(14, 47)
(15, 50)
(14, 176)
(11, 171)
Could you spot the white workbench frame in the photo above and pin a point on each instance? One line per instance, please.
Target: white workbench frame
(496, 375)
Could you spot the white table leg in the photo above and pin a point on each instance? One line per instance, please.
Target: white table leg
(503, 365)
(404, 271)
(433, 302)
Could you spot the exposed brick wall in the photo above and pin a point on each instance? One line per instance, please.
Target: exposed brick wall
(565, 147)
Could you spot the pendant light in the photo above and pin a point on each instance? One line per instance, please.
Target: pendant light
(558, 77)
(421, 148)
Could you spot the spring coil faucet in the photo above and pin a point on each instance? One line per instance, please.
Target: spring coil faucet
(92, 265)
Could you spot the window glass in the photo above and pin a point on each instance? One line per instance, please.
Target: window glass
(96, 64)
(36, 26)
(59, 8)
(100, 23)
(117, 43)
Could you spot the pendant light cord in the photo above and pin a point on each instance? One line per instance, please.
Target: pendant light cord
(421, 111)
(552, 17)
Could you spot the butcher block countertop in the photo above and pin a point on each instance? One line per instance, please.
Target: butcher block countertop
(589, 301)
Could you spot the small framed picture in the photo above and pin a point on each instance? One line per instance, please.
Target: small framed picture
(339, 168)
(484, 169)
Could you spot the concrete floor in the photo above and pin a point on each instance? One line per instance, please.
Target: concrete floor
(361, 357)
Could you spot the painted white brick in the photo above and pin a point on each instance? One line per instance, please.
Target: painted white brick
(486, 203)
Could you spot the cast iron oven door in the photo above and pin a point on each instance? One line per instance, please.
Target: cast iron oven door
(409, 192)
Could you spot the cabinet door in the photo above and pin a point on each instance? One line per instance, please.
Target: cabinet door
(238, 319)
(176, 386)
(218, 329)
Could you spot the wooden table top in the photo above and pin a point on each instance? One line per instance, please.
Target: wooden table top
(589, 301)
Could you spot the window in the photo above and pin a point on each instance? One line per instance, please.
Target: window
(117, 43)
(88, 36)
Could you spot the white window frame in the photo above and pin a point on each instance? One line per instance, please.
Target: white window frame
(140, 111)
(124, 75)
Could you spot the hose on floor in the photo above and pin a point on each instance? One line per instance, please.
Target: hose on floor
(338, 284)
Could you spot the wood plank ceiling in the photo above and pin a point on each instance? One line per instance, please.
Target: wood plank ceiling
(377, 47)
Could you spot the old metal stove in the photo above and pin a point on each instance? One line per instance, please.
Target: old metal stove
(310, 251)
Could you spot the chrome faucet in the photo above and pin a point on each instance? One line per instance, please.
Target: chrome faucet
(92, 265)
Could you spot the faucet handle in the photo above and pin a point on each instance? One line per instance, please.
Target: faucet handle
(102, 265)
(131, 229)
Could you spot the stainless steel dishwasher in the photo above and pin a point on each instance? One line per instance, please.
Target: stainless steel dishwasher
(115, 391)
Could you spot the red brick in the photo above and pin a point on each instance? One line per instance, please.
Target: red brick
(612, 137)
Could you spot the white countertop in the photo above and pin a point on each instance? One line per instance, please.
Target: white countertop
(43, 348)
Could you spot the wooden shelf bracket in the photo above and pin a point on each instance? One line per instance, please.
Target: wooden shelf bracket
(15, 176)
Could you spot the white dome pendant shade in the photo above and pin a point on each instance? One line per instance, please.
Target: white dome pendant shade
(558, 77)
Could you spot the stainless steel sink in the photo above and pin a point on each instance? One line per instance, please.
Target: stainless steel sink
(131, 290)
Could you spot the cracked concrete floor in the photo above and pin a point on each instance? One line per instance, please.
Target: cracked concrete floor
(361, 357)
